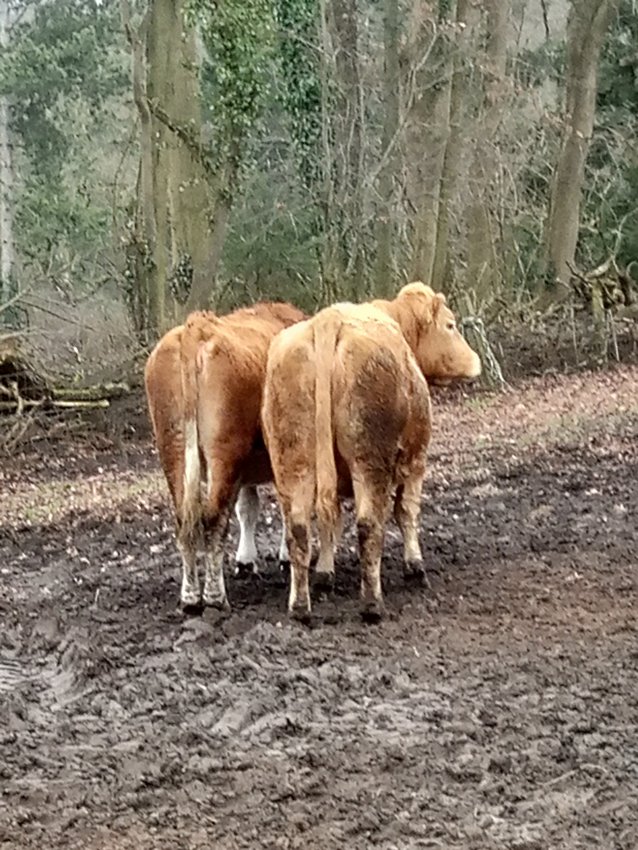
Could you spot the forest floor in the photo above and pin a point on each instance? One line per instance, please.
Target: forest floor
(497, 710)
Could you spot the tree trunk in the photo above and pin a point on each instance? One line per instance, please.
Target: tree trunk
(158, 44)
(182, 184)
(484, 245)
(149, 265)
(184, 200)
(7, 248)
(348, 119)
(429, 125)
(586, 27)
(385, 229)
(467, 17)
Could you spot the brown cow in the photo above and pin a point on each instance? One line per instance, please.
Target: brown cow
(346, 407)
(204, 383)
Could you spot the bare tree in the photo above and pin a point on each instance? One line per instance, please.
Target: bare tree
(391, 100)
(468, 16)
(185, 187)
(7, 248)
(587, 25)
(348, 138)
(185, 196)
(485, 245)
(430, 60)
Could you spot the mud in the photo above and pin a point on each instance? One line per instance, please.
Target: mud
(499, 709)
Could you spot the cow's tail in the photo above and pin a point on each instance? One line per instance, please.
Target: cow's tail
(326, 332)
(190, 512)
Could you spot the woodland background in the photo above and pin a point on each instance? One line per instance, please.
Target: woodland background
(164, 155)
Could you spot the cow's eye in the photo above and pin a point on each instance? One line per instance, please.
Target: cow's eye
(451, 326)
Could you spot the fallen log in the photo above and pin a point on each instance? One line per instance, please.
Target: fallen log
(24, 387)
(98, 392)
(66, 404)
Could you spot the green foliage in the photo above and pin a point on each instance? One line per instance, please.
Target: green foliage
(65, 48)
(610, 210)
(271, 248)
(64, 72)
(299, 57)
(238, 35)
(618, 78)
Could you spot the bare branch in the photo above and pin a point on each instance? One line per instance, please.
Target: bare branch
(12, 301)
(186, 135)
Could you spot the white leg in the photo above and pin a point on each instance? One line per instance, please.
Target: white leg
(214, 585)
(284, 557)
(190, 593)
(247, 512)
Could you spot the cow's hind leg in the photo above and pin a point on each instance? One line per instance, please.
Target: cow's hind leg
(372, 504)
(283, 555)
(216, 511)
(330, 532)
(190, 594)
(179, 456)
(296, 507)
(247, 513)
(407, 509)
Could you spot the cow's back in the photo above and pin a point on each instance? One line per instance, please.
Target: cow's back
(378, 393)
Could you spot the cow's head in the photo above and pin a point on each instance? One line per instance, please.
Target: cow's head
(441, 351)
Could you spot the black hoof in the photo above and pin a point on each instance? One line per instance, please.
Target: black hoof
(218, 604)
(372, 612)
(245, 570)
(192, 609)
(414, 572)
(324, 581)
(301, 614)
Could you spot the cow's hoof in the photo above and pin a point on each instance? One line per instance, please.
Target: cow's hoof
(414, 572)
(324, 581)
(192, 609)
(246, 570)
(218, 603)
(301, 614)
(372, 612)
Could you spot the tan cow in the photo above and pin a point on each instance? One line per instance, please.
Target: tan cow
(204, 383)
(346, 407)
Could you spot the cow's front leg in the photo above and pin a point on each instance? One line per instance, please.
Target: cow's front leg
(407, 511)
(247, 512)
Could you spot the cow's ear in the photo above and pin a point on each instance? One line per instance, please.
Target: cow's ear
(437, 302)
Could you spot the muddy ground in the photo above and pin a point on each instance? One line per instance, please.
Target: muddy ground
(498, 710)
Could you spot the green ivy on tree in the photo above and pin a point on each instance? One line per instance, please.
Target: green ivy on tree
(298, 27)
(238, 37)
